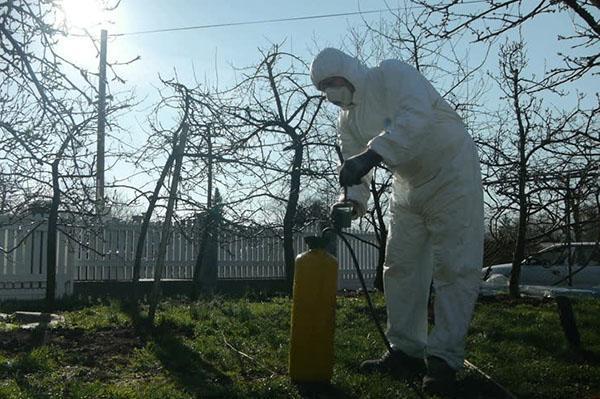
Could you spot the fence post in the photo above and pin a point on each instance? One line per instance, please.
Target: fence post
(208, 251)
(210, 267)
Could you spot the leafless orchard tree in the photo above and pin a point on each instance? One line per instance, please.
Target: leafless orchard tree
(174, 142)
(47, 121)
(208, 157)
(166, 232)
(189, 162)
(278, 145)
(216, 155)
(492, 19)
(532, 146)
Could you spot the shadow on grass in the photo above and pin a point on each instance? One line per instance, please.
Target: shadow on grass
(558, 349)
(187, 367)
(560, 346)
(474, 386)
(196, 375)
(578, 355)
(322, 391)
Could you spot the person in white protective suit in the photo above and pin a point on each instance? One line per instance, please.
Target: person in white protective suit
(392, 114)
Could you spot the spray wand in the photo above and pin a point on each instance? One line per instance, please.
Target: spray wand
(341, 216)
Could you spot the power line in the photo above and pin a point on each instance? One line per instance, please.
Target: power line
(266, 21)
(257, 22)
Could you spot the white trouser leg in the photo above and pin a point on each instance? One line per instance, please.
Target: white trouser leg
(457, 239)
(456, 277)
(453, 309)
(407, 277)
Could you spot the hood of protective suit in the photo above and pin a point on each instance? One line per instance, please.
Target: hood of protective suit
(332, 62)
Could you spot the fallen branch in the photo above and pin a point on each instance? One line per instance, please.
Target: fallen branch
(505, 391)
(245, 355)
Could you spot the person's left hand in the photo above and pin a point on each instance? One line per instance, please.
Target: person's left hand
(354, 168)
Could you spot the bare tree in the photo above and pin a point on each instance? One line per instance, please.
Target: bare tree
(166, 226)
(210, 157)
(489, 20)
(46, 119)
(275, 122)
(531, 147)
(153, 150)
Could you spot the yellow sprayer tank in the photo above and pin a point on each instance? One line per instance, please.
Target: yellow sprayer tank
(313, 314)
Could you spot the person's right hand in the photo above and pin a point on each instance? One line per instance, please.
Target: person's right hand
(354, 168)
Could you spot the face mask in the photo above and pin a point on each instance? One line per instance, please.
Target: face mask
(339, 95)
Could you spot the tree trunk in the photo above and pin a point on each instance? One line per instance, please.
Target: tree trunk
(568, 323)
(290, 215)
(196, 277)
(51, 242)
(381, 230)
(137, 263)
(378, 283)
(519, 253)
(201, 257)
(166, 228)
(568, 202)
(577, 222)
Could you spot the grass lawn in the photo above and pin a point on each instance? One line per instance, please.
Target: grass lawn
(237, 348)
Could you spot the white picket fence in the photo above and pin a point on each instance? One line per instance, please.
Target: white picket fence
(107, 254)
(23, 261)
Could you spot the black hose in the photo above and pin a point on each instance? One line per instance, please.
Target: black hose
(364, 286)
(361, 278)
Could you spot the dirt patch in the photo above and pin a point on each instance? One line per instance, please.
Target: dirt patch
(16, 341)
(96, 348)
(90, 348)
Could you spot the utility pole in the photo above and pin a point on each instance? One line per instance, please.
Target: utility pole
(101, 125)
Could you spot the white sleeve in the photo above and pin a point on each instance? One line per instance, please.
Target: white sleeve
(350, 146)
(410, 107)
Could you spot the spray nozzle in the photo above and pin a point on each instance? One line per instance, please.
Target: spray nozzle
(341, 215)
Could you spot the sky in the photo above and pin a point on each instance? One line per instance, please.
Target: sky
(208, 55)
(205, 54)
(205, 51)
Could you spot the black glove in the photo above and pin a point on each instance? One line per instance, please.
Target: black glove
(354, 168)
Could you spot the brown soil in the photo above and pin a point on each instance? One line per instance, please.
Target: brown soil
(92, 348)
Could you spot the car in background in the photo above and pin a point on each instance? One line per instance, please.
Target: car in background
(550, 267)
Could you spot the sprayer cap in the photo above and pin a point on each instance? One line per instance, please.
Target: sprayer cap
(315, 242)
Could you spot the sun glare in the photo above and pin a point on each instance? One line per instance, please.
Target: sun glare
(82, 18)
(83, 14)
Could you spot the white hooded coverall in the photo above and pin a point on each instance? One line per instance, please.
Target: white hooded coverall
(436, 229)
